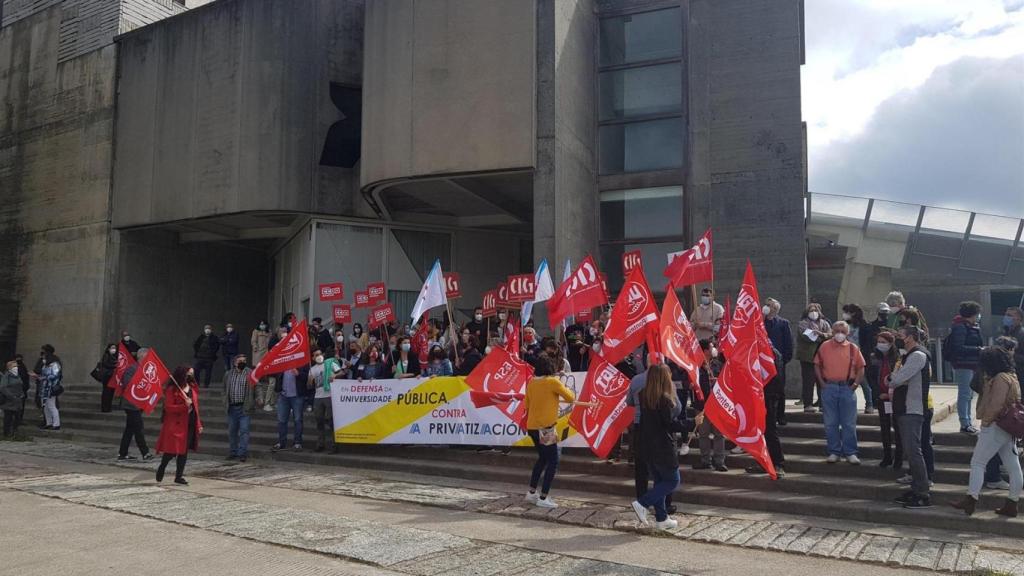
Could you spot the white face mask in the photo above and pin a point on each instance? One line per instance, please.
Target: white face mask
(263, 326)
(478, 317)
(207, 331)
(341, 337)
(705, 300)
(597, 346)
(230, 329)
(14, 371)
(766, 310)
(846, 316)
(714, 352)
(840, 337)
(406, 346)
(112, 351)
(813, 315)
(487, 350)
(883, 348)
(502, 316)
(319, 359)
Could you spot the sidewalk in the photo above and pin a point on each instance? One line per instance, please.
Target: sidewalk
(799, 537)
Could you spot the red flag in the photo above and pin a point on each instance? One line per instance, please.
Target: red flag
(748, 324)
(291, 352)
(723, 327)
(679, 342)
(512, 338)
(421, 339)
(521, 288)
(580, 291)
(602, 424)
(500, 373)
(485, 399)
(692, 266)
(125, 360)
(635, 313)
(147, 384)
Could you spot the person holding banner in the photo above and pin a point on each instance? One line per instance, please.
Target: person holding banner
(370, 366)
(181, 423)
(133, 426)
(542, 396)
(404, 364)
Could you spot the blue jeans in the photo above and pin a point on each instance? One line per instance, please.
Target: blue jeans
(547, 462)
(964, 394)
(839, 410)
(285, 407)
(665, 483)
(238, 430)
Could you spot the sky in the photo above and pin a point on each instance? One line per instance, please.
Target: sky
(919, 101)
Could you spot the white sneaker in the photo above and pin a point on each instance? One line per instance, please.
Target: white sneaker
(906, 480)
(641, 512)
(1001, 485)
(832, 458)
(736, 450)
(667, 524)
(532, 497)
(546, 503)
(268, 408)
(684, 450)
(852, 459)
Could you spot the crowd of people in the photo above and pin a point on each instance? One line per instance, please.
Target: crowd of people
(889, 359)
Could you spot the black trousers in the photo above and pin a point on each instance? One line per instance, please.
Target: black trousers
(10, 422)
(781, 404)
(106, 399)
(810, 383)
(202, 366)
(771, 430)
(179, 471)
(133, 429)
(641, 474)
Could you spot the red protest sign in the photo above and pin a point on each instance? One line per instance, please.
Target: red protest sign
(490, 304)
(584, 316)
(630, 260)
(290, 352)
(452, 285)
(124, 361)
(603, 423)
(500, 373)
(381, 315)
(362, 300)
(521, 288)
(147, 384)
(503, 301)
(342, 313)
(376, 292)
(332, 291)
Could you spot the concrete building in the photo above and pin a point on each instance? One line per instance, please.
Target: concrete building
(218, 164)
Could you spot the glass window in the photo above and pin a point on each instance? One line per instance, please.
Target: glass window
(641, 146)
(640, 91)
(653, 256)
(639, 37)
(641, 213)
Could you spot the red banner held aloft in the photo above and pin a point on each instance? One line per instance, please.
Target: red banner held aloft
(500, 373)
(582, 290)
(291, 352)
(362, 300)
(381, 315)
(125, 360)
(342, 313)
(521, 288)
(748, 323)
(630, 260)
(679, 342)
(452, 285)
(490, 304)
(376, 292)
(602, 424)
(147, 384)
(634, 315)
(332, 291)
(692, 266)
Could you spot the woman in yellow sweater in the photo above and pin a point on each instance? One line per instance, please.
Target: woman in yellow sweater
(542, 397)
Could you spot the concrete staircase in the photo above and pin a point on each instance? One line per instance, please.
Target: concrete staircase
(811, 487)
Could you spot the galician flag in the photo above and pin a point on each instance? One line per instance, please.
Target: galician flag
(545, 289)
(432, 294)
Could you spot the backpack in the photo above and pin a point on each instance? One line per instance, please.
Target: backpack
(947, 347)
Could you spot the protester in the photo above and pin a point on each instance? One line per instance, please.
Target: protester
(49, 386)
(439, 364)
(577, 346)
(240, 404)
(1013, 326)
(133, 423)
(205, 352)
(882, 363)
(814, 329)
(11, 397)
(26, 384)
(104, 372)
(370, 366)
(405, 364)
(781, 336)
(181, 423)
(707, 316)
(965, 343)
(268, 386)
(909, 384)
(541, 402)
(130, 343)
(658, 410)
(772, 390)
(359, 336)
(869, 333)
(470, 357)
(352, 360)
(838, 366)
(477, 327)
(554, 351)
(259, 341)
(531, 345)
(330, 370)
(854, 316)
(321, 337)
(710, 440)
(1001, 389)
(290, 400)
(896, 302)
(229, 343)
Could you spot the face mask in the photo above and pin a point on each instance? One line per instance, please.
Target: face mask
(883, 348)
(766, 310)
(840, 337)
(373, 339)
(263, 327)
(406, 346)
(242, 365)
(714, 352)
(487, 350)
(319, 359)
(502, 316)
(341, 338)
(229, 329)
(597, 346)
(593, 331)
(373, 355)
(530, 339)
(978, 320)
(112, 350)
(1009, 321)
(14, 371)
(813, 315)
(846, 316)
(127, 338)
(705, 300)
(207, 331)
(903, 352)
(291, 325)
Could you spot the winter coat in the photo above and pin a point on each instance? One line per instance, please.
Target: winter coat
(260, 342)
(174, 433)
(805, 348)
(1000, 391)
(51, 375)
(107, 366)
(965, 344)
(781, 336)
(11, 393)
(657, 445)
(229, 341)
(205, 347)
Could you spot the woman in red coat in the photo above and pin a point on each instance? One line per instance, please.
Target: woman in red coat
(181, 424)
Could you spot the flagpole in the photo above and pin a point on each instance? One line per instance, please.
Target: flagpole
(451, 329)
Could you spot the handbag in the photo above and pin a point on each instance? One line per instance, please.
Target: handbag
(547, 436)
(57, 389)
(1012, 420)
(95, 374)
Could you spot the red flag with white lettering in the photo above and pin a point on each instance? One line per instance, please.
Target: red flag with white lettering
(512, 337)
(580, 291)
(692, 266)
(748, 323)
(291, 352)
(602, 424)
(634, 315)
(723, 326)
(146, 387)
(500, 373)
(125, 360)
(421, 340)
(679, 342)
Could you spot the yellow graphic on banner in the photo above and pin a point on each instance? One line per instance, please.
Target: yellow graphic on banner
(406, 408)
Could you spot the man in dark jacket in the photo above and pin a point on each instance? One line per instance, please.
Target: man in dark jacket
(229, 346)
(782, 339)
(133, 427)
(322, 338)
(205, 350)
(965, 343)
(772, 390)
(130, 342)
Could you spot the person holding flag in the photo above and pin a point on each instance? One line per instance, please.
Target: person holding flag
(181, 423)
(542, 396)
(133, 426)
(707, 316)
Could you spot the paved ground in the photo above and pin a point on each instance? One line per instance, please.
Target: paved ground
(410, 527)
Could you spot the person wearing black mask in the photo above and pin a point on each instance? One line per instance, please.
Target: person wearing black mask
(205, 349)
(26, 383)
(240, 404)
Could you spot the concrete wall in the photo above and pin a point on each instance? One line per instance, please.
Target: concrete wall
(227, 109)
(449, 87)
